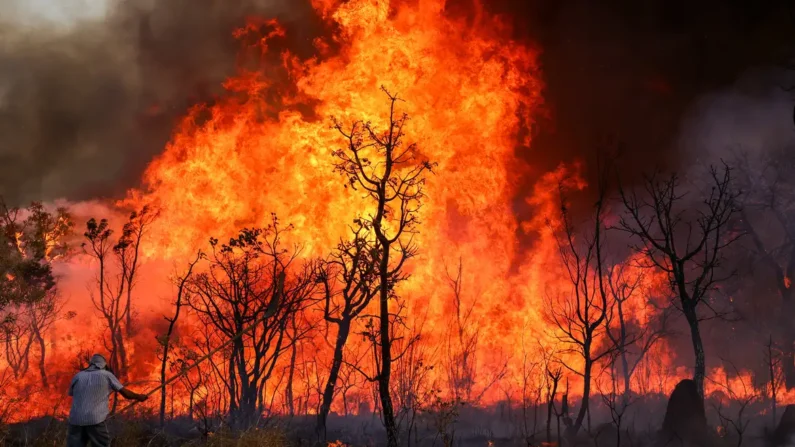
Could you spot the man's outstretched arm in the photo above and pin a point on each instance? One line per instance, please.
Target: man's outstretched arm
(129, 394)
(121, 389)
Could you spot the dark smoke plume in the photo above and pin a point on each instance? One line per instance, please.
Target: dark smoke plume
(84, 107)
(86, 102)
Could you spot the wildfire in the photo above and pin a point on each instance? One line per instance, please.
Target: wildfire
(469, 91)
(266, 147)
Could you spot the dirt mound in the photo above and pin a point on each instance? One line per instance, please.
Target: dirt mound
(785, 431)
(685, 420)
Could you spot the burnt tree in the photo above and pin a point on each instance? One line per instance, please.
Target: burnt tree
(768, 216)
(686, 240)
(112, 297)
(350, 282)
(247, 297)
(133, 233)
(391, 174)
(580, 316)
(631, 339)
(462, 340)
(165, 340)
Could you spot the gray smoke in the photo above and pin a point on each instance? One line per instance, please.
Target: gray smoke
(746, 125)
(90, 90)
(754, 116)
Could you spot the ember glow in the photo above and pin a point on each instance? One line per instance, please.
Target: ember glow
(265, 148)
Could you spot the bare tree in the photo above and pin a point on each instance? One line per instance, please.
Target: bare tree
(768, 216)
(191, 379)
(41, 316)
(112, 297)
(462, 340)
(617, 403)
(412, 387)
(631, 342)
(165, 340)
(686, 242)
(18, 340)
(552, 380)
(299, 329)
(741, 396)
(350, 282)
(532, 382)
(391, 174)
(774, 370)
(133, 232)
(580, 317)
(245, 299)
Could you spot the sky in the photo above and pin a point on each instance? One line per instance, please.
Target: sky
(59, 13)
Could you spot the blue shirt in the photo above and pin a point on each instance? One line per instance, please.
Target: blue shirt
(90, 390)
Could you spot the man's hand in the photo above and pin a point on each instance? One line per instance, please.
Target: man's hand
(129, 394)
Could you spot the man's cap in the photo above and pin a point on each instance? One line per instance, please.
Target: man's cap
(98, 360)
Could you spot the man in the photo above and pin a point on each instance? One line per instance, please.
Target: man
(90, 390)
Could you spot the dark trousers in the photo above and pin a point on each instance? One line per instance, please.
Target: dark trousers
(81, 435)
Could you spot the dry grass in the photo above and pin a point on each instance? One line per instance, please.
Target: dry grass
(134, 434)
(269, 437)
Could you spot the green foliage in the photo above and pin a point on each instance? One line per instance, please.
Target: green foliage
(29, 240)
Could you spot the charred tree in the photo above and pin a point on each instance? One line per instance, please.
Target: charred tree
(768, 216)
(133, 232)
(112, 297)
(165, 340)
(391, 174)
(42, 315)
(350, 283)
(631, 342)
(686, 242)
(773, 363)
(552, 380)
(248, 302)
(462, 341)
(580, 317)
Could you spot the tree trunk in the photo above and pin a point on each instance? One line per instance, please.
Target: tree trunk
(336, 365)
(550, 406)
(163, 387)
(586, 393)
(120, 351)
(42, 357)
(623, 352)
(386, 352)
(288, 391)
(700, 368)
(190, 404)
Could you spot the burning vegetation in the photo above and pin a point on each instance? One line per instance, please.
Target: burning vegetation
(330, 251)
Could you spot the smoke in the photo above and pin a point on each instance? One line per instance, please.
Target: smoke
(743, 125)
(755, 115)
(89, 91)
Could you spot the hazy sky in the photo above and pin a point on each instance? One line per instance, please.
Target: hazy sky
(65, 13)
